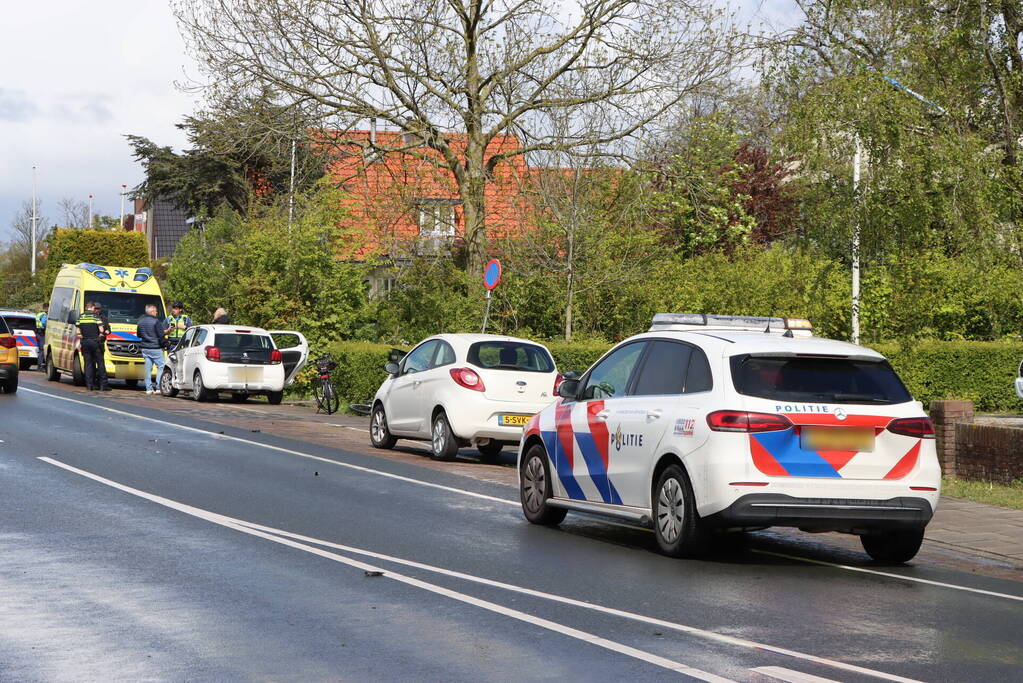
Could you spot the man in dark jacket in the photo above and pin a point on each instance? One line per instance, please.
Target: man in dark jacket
(151, 334)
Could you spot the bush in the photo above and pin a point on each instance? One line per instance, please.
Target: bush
(102, 247)
(982, 372)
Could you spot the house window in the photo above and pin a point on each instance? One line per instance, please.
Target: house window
(436, 218)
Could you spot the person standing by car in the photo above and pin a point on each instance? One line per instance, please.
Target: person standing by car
(93, 333)
(176, 323)
(41, 318)
(220, 317)
(152, 343)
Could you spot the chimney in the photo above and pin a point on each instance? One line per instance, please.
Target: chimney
(373, 131)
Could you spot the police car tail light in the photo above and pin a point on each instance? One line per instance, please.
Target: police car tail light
(212, 353)
(920, 427)
(8, 342)
(275, 356)
(467, 378)
(742, 421)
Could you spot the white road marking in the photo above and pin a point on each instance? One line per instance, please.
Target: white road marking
(237, 525)
(368, 470)
(789, 675)
(272, 534)
(875, 572)
(495, 499)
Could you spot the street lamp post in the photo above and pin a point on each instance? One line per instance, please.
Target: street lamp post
(124, 189)
(89, 224)
(35, 219)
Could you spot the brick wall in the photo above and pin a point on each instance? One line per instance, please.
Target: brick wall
(981, 452)
(945, 415)
(989, 453)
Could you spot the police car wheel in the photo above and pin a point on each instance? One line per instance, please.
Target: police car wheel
(444, 445)
(379, 435)
(535, 489)
(166, 385)
(676, 524)
(893, 547)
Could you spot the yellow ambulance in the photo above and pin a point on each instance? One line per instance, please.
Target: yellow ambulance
(124, 294)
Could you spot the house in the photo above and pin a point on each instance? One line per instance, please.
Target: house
(163, 222)
(406, 203)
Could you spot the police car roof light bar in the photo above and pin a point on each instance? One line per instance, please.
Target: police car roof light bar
(683, 321)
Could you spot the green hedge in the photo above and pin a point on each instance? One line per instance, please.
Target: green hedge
(982, 372)
(102, 247)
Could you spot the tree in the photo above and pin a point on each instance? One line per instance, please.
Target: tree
(74, 213)
(239, 149)
(481, 68)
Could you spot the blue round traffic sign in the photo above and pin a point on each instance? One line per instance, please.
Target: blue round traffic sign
(492, 273)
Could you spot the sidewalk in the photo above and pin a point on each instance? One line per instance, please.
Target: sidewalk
(977, 528)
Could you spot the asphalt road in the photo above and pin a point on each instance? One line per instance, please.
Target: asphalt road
(136, 544)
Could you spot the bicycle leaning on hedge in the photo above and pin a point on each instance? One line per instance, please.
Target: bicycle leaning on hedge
(327, 400)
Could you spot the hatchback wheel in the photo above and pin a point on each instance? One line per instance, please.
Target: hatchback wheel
(166, 386)
(199, 390)
(535, 489)
(379, 435)
(676, 525)
(445, 445)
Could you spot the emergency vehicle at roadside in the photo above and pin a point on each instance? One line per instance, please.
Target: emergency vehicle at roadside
(456, 389)
(8, 360)
(730, 423)
(22, 325)
(243, 361)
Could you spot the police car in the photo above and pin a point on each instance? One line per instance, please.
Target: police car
(734, 423)
(23, 326)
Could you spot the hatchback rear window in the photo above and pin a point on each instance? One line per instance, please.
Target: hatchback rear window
(509, 355)
(817, 380)
(244, 342)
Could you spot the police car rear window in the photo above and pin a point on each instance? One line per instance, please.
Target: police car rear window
(509, 355)
(19, 322)
(817, 380)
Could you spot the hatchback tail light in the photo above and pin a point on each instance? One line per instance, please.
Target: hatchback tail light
(212, 353)
(467, 378)
(8, 342)
(920, 427)
(275, 356)
(742, 421)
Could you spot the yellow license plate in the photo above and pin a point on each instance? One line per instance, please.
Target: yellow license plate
(837, 439)
(22, 352)
(513, 420)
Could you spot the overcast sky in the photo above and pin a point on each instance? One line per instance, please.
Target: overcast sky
(79, 76)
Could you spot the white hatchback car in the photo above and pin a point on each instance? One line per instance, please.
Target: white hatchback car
(708, 422)
(210, 359)
(454, 389)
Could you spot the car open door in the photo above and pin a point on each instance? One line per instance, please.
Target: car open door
(294, 349)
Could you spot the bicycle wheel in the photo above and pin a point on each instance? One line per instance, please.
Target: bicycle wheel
(331, 400)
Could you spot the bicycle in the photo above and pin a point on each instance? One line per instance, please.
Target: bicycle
(327, 400)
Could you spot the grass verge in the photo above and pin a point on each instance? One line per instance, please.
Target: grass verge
(985, 492)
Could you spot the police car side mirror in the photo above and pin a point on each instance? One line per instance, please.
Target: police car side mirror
(391, 368)
(569, 388)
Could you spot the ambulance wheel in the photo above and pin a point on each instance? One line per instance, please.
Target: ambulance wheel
(77, 376)
(166, 386)
(274, 398)
(443, 445)
(535, 489)
(52, 373)
(379, 435)
(199, 390)
(893, 547)
(676, 524)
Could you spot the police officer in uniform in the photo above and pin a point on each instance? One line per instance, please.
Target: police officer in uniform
(41, 319)
(93, 331)
(176, 323)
